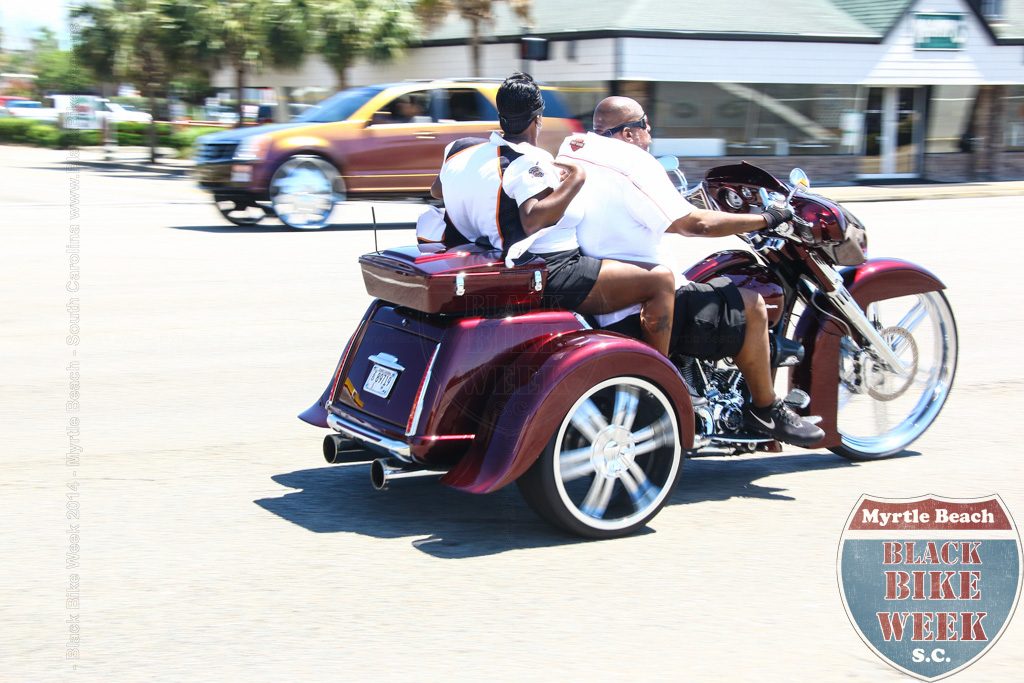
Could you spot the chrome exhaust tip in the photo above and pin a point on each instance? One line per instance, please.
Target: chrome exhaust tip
(339, 449)
(383, 471)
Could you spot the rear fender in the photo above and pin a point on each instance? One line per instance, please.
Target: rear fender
(545, 382)
(316, 414)
(818, 373)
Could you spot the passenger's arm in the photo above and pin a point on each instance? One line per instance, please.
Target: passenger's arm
(435, 189)
(704, 223)
(548, 207)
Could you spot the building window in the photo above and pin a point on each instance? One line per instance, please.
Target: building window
(734, 119)
(1013, 122)
(992, 9)
(950, 115)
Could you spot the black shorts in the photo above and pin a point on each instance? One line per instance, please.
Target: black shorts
(571, 276)
(709, 321)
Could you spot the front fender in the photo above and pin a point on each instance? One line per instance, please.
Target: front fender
(818, 373)
(547, 380)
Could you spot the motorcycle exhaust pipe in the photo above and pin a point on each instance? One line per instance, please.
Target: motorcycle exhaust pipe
(383, 471)
(339, 449)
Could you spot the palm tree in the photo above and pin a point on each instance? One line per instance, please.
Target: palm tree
(246, 35)
(348, 29)
(144, 42)
(479, 13)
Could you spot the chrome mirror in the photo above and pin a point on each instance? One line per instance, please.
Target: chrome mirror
(671, 166)
(669, 163)
(797, 178)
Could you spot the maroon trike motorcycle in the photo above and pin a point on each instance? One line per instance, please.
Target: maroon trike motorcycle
(458, 370)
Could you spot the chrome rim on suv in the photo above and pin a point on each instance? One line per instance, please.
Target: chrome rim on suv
(303, 192)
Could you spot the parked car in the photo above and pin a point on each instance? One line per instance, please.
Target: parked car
(371, 142)
(31, 109)
(4, 99)
(120, 113)
(221, 114)
(267, 113)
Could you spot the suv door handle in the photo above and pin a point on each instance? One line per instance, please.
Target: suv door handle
(425, 135)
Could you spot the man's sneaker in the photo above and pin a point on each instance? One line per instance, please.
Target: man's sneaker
(780, 422)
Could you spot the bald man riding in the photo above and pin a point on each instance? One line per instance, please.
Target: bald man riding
(629, 203)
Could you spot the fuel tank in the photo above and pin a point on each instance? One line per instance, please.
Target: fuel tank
(746, 273)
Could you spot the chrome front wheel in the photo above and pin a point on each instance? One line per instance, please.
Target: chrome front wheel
(882, 412)
(303, 192)
(612, 463)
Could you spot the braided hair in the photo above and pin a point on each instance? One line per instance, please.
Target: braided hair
(519, 102)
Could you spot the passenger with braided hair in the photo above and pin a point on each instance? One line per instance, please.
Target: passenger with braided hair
(512, 194)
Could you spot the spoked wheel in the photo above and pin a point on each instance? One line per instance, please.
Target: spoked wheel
(882, 412)
(240, 213)
(303, 192)
(612, 463)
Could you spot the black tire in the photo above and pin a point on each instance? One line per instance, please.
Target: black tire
(590, 480)
(239, 212)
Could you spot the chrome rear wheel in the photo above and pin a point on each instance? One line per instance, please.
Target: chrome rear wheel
(882, 412)
(612, 463)
(303, 192)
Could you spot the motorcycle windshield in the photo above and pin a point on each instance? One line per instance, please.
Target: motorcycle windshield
(747, 174)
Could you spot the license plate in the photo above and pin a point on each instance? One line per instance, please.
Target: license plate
(241, 174)
(380, 381)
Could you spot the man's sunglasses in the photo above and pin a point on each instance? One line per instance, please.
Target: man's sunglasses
(640, 123)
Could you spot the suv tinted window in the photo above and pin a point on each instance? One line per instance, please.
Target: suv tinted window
(408, 108)
(554, 105)
(469, 104)
(340, 106)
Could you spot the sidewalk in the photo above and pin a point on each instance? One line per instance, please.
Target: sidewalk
(897, 193)
(137, 159)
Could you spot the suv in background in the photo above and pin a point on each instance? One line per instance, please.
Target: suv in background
(373, 142)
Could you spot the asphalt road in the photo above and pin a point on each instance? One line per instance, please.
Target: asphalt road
(214, 544)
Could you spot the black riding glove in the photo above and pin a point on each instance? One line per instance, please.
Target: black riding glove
(776, 216)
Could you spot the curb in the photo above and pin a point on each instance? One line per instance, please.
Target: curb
(179, 171)
(853, 195)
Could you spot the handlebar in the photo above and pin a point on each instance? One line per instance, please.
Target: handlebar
(802, 231)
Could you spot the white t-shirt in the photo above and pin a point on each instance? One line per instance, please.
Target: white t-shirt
(472, 179)
(629, 203)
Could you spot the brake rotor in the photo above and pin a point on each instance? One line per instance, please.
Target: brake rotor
(882, 383)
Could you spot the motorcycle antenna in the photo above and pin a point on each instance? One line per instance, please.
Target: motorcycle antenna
(373, 215)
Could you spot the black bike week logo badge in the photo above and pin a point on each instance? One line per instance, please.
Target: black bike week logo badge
(930, 583)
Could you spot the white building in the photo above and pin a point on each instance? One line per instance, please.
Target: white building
(844, 88)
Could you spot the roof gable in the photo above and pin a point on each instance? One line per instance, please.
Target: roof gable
(867, 21)
(879, 16)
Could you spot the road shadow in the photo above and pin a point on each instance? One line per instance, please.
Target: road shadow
(450, 524)
(276, 226)
(445, 523)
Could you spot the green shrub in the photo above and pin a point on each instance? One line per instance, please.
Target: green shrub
(43, 135)
(129, 134)
(16, 130)
(79, 138)
(131, 128)
(185, 138)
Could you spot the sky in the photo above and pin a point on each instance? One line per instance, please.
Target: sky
(21, 18)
